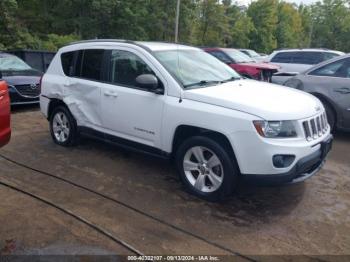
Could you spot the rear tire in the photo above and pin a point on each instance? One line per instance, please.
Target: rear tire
(206, 168)
(63, 127)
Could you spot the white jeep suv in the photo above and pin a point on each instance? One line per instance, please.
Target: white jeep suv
(178, 102)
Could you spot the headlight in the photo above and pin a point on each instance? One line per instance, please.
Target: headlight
(275, 129)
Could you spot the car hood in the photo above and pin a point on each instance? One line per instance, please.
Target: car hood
(261, 66)
(268, 101)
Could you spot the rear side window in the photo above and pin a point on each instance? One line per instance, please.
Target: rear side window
(67, 60)
(91, 67)
(308, 58)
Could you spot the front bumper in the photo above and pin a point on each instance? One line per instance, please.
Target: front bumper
(17, 98)
(305, 168)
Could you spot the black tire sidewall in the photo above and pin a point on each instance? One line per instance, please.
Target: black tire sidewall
(72, 137)
(230, 169)
(330, 116)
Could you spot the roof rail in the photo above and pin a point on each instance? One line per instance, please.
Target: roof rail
(101, 40)
(301, 48)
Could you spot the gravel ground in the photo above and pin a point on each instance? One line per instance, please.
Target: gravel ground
(310, 219)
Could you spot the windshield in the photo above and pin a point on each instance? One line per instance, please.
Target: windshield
(252, 53)
(194, 68)
(12, 63)
(238, 56)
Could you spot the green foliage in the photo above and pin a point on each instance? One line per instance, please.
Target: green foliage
(289, 26)
(330, 25)
(264, 16)
(265, 25)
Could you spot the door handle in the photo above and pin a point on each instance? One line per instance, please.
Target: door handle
(342, 90)
(110, 93)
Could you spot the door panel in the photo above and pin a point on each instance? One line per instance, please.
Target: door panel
(83, 99)
(5, 129)
(131, 112)
(83, 86)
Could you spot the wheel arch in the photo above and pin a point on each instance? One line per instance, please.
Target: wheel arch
(184, 132)
(325, 99)
(54, 102)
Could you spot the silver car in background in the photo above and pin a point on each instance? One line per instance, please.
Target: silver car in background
(294, 61)
(330, 82)
(257, 57)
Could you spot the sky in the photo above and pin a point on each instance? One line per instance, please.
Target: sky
(306, 2)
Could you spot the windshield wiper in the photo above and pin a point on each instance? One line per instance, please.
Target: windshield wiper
(203, 83)
(230, 79)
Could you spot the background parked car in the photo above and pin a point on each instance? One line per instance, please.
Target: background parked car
(39, 60)
(5, 129)
(294, 61)
(251, 53)
(244, 64)
(330, 82)
(22, 80)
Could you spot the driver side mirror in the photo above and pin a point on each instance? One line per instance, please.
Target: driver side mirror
(149, 82)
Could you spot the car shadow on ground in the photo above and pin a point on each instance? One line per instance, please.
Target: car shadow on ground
(249, 203)
(15, 109)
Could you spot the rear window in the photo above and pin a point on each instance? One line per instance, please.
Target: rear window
(221, 56)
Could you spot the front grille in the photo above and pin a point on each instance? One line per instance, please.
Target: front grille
(315, 127)
(28, 90)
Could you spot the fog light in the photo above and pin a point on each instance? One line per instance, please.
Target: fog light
(282, 161)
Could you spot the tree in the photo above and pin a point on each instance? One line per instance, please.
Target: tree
(289, 26)
(263, 13)
(331, 25)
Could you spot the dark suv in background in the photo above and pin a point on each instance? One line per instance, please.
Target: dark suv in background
(23, 81)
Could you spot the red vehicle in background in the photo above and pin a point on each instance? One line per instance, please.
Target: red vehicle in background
(243, 64)
(5, 128)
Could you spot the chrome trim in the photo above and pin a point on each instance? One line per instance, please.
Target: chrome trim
(24, 96)
(314, 127)
(25, 103)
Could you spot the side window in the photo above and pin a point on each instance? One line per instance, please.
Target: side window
(283, 57)
(221, 56)
(91, 67)
(336, 69)
(125, 67)
(308, 58)
(67, 60)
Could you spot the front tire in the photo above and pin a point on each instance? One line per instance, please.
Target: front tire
(63, 127)
(330, 116)
(206, 168)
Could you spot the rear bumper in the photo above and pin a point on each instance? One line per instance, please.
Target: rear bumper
(305, 168)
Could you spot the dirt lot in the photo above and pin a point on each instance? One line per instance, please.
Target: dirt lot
(312, 218)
